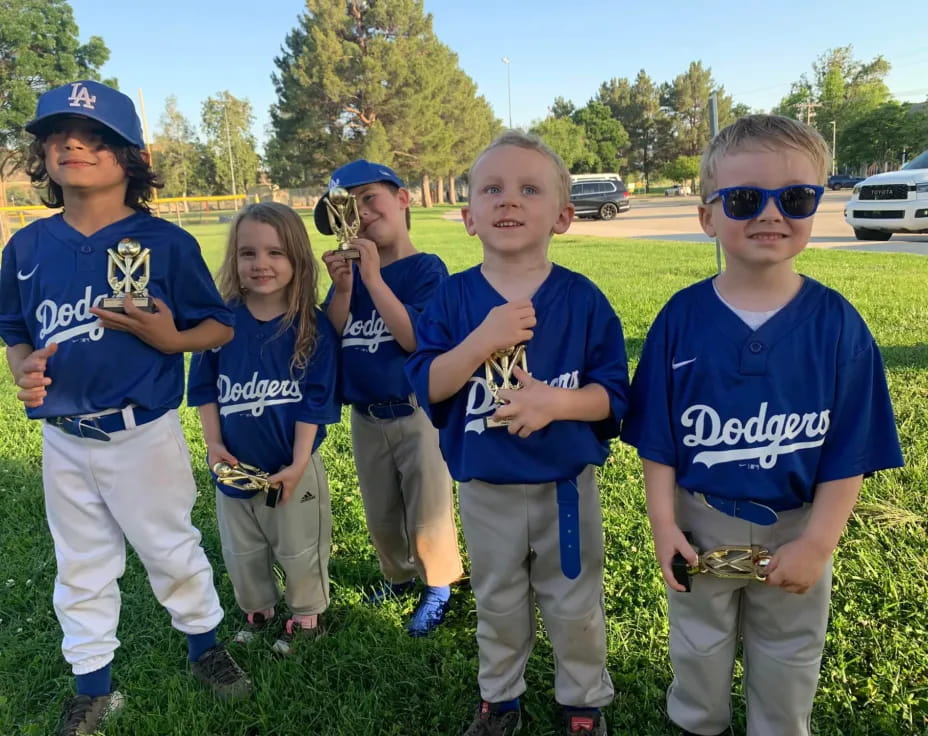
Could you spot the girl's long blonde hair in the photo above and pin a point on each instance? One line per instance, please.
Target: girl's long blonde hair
(302, 292)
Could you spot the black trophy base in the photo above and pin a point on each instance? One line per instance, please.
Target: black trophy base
(116, 304)
(681, 568)
(273, 495)
(349, 254)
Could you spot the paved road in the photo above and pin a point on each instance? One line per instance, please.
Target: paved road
(675, 219)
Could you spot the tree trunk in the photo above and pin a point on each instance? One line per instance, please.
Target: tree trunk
(440, 190)
(452, 193)
(426, 191)
(4, 230)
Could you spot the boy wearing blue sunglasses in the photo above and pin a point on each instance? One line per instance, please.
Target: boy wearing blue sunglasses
(758, 406)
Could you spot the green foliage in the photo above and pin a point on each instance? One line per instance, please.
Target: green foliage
(683, 168)
(185, 164)
(566, 138)
(562, 108)
(687, 98)
(881, 135)
(605, 137)
(350, 64)
(227, 123)
(367, 678)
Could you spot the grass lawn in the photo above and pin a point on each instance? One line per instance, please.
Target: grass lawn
(368, 677)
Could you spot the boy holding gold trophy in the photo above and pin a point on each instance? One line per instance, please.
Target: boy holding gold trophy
(380, 284)
(98, 304)
(522, 445)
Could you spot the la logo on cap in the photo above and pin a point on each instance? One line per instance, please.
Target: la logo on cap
(81, 97)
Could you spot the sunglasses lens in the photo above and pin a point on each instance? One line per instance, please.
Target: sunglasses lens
(743, 204)
(798, 201)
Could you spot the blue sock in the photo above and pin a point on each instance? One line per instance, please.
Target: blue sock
(96, 683)
(442, 592)
(507, 705)
(585, 708)
(199, 643)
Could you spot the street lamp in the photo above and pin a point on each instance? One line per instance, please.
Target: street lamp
(505, 60)
(834, 157)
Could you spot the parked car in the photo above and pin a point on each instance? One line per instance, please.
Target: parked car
(894, 202)
(678, 190)
(843, 181)
(602, 196)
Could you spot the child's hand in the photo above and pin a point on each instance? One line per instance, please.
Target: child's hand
(339, 269)
(155, 328)
(218, 453)
(668, 541)
(529, 408)
(30, 376)
(369, 263)
(507, 325)
(797, 565)
(289, 477)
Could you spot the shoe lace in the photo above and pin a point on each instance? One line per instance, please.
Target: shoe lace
(75, 714)
(223, 668)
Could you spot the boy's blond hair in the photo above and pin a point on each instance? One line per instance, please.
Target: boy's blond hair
(533, 143)
(765, 132)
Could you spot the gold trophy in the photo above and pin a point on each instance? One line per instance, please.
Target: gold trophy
(745, 562)
(128, 271)
(498, 371)
(248, 478)
(344, 219)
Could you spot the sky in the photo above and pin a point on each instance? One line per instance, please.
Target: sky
(194, 49)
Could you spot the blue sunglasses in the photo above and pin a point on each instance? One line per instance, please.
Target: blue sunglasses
(796, 201)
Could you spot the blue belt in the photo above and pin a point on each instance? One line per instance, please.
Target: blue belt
(568, 522)
(387, 409)
(100, 428)
(752, 511)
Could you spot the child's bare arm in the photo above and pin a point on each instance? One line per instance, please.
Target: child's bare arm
(28, 368)
(339, 305)
(660, 483)
(158, 329)
(537, 404)
(797, 565)
(216, 450)
(289, 475)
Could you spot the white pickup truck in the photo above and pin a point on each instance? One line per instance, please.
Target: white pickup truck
(894, 202)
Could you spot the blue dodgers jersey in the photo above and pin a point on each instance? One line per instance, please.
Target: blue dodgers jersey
(578, 340)
(52, 275)
(259, 400)
(372, 359)
(767, 415)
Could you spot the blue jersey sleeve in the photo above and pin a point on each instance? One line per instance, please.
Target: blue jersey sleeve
(648, 423)
(433, 338)
(862, 435)
(201, 382)
(607, 364)
(430, 276)
(13, 329)
(320, 398)
(194, 295)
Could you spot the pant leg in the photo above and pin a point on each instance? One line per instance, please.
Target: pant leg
(495, 523)
(89, 549)
(378, 479)
(704, 626)
(145, 474)
(573, 610)
(426, 489)
(784, 635)
(300, 533)
(246, 551)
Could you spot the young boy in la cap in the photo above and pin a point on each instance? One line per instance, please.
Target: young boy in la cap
(374, 303)
(107, 386)
(527, 493)
(758, 406)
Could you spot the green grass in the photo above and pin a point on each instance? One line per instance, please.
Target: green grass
(367, 677)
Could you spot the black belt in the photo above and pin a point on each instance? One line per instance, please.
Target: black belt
(100, 428)
(387, 409)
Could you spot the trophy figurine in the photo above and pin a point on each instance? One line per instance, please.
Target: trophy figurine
(498, 370)
(128, 271)
(746, 562)
(248, 478)
(342, 210)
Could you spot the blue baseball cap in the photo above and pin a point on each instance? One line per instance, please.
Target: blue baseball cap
(92, 100)
(355, 174)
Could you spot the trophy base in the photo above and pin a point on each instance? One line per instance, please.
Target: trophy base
(349, 254)
(490, 423)
(273, 496)
(115, 304)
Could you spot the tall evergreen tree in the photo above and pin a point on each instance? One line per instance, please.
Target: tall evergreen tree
(227, 122)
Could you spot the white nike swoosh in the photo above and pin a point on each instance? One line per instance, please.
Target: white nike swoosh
(681, 363)
(21, 277)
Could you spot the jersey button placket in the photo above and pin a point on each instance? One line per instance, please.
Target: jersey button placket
(754, 358)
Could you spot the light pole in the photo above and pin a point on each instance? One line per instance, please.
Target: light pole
(505, 60)
(225, 112)
(834, 157)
